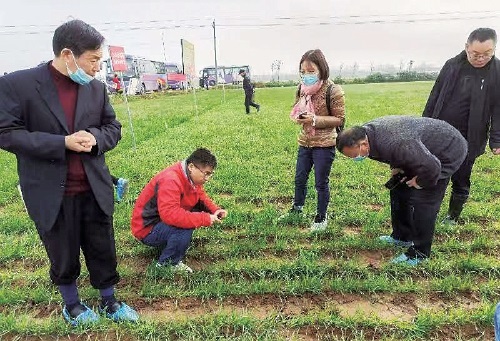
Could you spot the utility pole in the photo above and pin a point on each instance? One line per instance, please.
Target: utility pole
(355, 68)
(215, 57)
(276, 65)
(163, 43)
(410, 65)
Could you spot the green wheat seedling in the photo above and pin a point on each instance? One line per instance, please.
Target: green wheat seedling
(256, 278)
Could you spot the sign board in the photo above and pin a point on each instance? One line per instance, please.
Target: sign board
(179, 77)
(117, 55)
(188, 59)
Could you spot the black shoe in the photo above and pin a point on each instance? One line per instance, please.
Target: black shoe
(295, 210)
(292, 214)
(119, 312)
(76, 309)
(111, 308)
(412, 253)
(448, 221)
(319, 218)
(79, 315)
(258, 108)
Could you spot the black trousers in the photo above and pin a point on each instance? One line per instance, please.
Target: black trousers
(81, 224)
(460, 180)
(414, 212)
(249, 102)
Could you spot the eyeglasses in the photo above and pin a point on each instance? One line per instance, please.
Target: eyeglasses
(206, 174)
(476, 56)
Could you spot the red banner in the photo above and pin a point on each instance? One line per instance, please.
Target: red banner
(179, 77)
(118, 62)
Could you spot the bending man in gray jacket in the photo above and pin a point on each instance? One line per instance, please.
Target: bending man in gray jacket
(423, 154)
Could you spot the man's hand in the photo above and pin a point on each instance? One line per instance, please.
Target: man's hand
(395, 171)
(92, 141)
(81, 141)
(214, 219)
(221, 214)
(413, 183)
(78, 143)
(496, 151)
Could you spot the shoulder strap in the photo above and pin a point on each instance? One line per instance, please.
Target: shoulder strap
(329, 106)
(328, 98)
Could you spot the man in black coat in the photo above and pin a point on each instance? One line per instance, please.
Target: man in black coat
(249, 91)
(466, 96)
(57, 120)
(423, 154)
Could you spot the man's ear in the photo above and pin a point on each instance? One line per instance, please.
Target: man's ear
(66, 55)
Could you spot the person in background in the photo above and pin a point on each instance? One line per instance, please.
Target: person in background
(117, 84)
(249, 92)
(121, 187)
(423, 154)
(318, 133)
(466, 96)
(173, 204)
(57, 120)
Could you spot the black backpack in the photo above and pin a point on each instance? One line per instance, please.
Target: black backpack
(328, 105)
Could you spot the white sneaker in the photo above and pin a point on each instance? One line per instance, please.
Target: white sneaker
(319, 226)
(181, 267)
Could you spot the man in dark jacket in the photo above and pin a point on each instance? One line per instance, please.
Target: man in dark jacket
(249, 91)
(423, 154)
(466, 96)
(57, 120)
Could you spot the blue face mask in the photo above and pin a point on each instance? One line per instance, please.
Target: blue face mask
(309, 79)
(359, 158)
(79, 76)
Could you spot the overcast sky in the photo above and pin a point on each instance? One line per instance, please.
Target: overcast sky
(254, 32)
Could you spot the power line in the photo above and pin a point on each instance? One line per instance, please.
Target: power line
(253, 18)
(278, 24)
(362, 22)
(266, 25)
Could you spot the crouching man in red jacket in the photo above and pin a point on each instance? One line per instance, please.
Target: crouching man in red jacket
(173, 204)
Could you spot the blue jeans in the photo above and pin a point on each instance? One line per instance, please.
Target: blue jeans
(173, 240)
(496, 320)
(321, 158)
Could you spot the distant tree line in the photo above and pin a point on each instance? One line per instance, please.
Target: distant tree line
(378, 77)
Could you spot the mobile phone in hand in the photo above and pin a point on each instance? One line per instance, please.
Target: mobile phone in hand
(302, 115)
